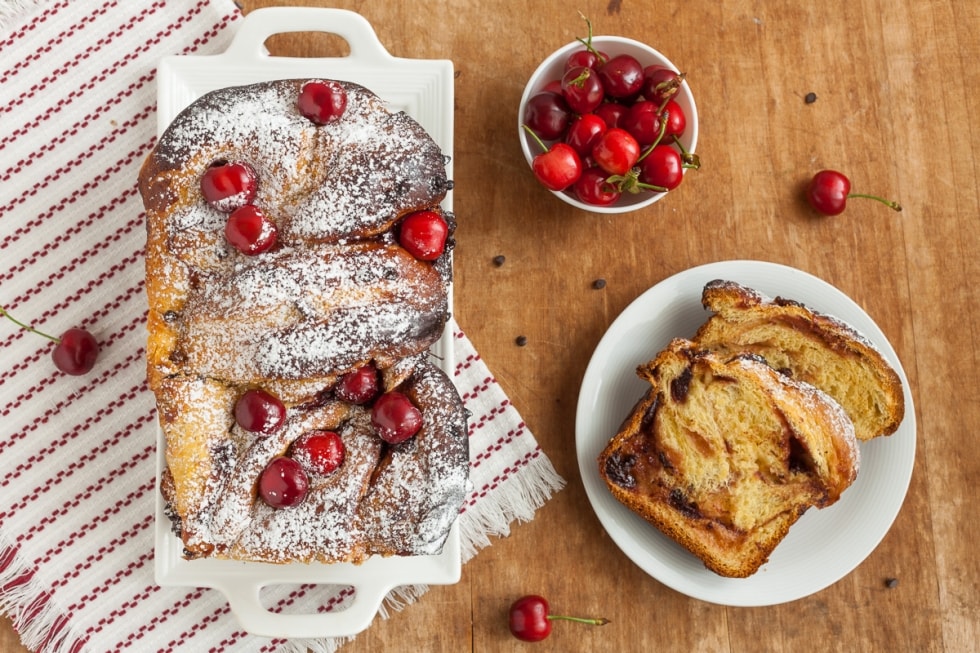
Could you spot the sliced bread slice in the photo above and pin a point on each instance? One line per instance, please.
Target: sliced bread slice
(724, 455)
(807, 346)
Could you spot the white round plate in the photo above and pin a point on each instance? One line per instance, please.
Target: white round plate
(824, 545)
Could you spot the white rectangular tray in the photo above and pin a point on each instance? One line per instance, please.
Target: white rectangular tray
(424, 90)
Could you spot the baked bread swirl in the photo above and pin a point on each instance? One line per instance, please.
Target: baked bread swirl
(384, 499)
(808, 346)
(723, 455)
(334, 292)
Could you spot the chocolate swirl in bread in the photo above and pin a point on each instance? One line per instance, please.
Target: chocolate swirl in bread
(723, 455)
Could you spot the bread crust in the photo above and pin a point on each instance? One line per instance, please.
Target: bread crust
(808, 346)
(723, 455)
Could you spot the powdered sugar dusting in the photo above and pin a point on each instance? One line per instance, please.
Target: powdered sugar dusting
(335, 291)
(405, 508)
(296, 313)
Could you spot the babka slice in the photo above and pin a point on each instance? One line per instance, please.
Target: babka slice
(725, 454)
(808, 346)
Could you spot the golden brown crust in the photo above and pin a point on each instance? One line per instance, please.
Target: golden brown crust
(809, 346)
(336, 292)
(724, 455)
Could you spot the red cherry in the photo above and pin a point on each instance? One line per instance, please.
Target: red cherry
(259, 411)
(283, 483)
(676, 120)
(612, 113)
(622, 76)
(530, 621)
(829, 191)
(642, 120)
(587, 58)
(75, 352)
(662, 167)
(548, 115)
(584, 132)
(592, 188)
(582, 89)
(250, 231)
(558, 167)
(660, 83)
(227, 186)
(395, 417)
(359, 386)
(616, 152)
(322, 102)
(554, 86)
(320, 451)
(423, 234)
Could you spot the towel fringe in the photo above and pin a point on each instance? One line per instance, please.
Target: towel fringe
(517, 499)
(41, 625)
(11, 9)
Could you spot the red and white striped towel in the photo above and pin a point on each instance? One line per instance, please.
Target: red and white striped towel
(77, 473)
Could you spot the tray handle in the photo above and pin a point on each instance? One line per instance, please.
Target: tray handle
(265, 22)
(245, 602)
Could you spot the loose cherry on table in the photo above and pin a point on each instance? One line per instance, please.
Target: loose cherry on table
(75, 352)
(829, 191)
(228, 185)
(530, 620)
(395, 418)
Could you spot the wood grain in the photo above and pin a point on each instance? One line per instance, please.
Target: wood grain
(895, 82)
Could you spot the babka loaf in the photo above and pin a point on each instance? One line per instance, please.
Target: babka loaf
(724, 454)
(297, 272)
(808, 346)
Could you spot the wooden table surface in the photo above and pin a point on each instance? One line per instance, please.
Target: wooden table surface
(897, 110)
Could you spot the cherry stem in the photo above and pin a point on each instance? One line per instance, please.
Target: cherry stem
(26, 327)
(888, 203)
(588, 42)
(656, 141)
(601, 621)
(535, 137)
(579, 81)
(668, 88)
(691, 161)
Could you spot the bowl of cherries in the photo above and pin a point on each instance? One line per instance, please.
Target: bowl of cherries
(608, 124)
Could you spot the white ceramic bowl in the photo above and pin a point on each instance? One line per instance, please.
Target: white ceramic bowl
(553, 67)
